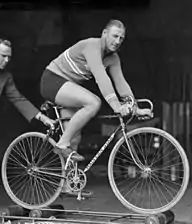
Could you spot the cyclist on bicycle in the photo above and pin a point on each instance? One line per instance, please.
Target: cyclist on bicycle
(89, 58)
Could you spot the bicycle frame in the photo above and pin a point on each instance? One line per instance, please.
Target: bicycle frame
(102, 149)
(121, 126)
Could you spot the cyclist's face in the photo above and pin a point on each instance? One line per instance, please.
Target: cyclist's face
(114, 37)
(5, 55)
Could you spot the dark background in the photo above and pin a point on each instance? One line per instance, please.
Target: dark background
(156, 54)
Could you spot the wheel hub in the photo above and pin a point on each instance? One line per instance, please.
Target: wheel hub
(31, 169)
(146, 172)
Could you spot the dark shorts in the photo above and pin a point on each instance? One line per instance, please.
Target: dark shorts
(50, 85)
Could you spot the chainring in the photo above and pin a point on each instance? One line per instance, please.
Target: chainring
(76, 179)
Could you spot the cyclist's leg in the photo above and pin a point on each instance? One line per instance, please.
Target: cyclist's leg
(69, 95)
(68, 113)
(72, 95)
(76, 140)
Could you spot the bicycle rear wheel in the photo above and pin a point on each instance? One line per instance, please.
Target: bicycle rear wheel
(31, 172)
(161, 180)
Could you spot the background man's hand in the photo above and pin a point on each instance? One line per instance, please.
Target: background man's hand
(45, 120)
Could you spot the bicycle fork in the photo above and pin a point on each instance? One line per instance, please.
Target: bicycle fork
(131, 149)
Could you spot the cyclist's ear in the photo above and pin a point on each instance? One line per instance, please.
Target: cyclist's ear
(104, 32)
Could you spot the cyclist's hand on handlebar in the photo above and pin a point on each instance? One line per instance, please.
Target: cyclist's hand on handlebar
(124, 110)
(144, 113)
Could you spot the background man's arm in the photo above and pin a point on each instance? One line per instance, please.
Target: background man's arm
(25, 107)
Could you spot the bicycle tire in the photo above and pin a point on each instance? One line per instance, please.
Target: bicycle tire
(161, 187)
(25, 167)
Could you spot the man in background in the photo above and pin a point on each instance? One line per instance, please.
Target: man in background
(9, 89)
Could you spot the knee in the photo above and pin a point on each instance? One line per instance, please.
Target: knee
(95, 105)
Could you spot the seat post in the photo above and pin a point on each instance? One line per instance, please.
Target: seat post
(59, 119)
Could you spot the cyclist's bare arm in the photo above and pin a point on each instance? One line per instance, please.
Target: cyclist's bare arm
(116, 74)
(94, 61)
(93, 57)
(122, 85)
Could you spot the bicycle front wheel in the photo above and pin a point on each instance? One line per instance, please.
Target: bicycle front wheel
(31, 172)
(160, 179)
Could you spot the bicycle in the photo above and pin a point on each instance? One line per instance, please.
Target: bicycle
(33, 175)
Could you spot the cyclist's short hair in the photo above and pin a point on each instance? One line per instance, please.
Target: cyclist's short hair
(114, 22)
(5, 41)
